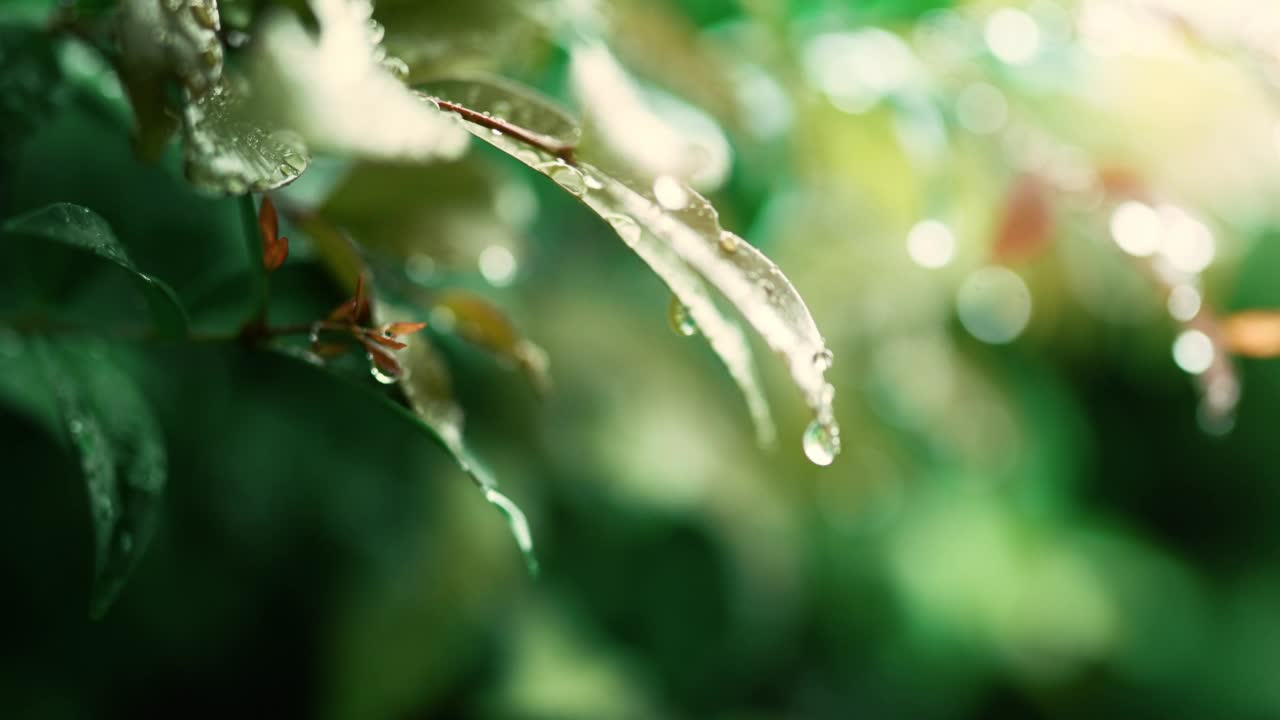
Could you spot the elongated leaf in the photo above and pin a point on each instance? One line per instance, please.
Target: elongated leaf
(426, 383)
(82, 228)
(122, 455)
(686, 226)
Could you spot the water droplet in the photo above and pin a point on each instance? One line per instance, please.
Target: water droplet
(379, 375)
(568, 177)
(729, 242)
(678, 316)
(669, 193)
(396, 67)
(593, 182)
(822, 442)
(822, 360)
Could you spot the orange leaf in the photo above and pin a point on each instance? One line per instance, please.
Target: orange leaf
(382, 359)
(403, 328)
(383, 339)
(274, 248)
(1254, 333)
(352, 310)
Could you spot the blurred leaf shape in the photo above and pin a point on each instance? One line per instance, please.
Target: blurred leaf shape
(677, 232)
(337, 89)
(427, 385)
(30, 82)
(229, 152)
(480, 322)
(1253, 333)
(172, 39)
(1026, 225)
(81, 228)
(438, 36)
(430, 218)
(625, 120)
(122, 455)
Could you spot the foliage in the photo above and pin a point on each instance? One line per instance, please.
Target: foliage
(261, 261)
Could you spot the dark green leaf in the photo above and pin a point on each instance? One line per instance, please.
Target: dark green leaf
(81, 228)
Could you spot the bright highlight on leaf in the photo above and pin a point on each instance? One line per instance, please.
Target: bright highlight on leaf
(683, 241)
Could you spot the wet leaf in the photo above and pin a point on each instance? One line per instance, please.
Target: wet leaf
(427, 385)
(438, 37)
(81, 228)
(480, 322)
(122, 456)
(335, 90)
(172, 39)
(677, 232)
(648, 133)
(230, 152)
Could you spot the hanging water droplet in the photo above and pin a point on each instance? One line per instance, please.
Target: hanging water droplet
(822, 442)
(396, 67)
(678, 316)
(379, 375)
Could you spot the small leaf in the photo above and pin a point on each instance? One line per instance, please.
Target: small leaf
(429, 390)
(1253, 333)
(82, 228)
(354, 309)
(122, 456)
(275, 249)
(403, 328)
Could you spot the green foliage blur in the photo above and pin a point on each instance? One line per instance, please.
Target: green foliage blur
(1042, 509)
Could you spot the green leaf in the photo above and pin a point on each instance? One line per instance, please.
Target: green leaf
(81, 228)
(30, 83)
(677, 232)
(101, 414)
(427, 385)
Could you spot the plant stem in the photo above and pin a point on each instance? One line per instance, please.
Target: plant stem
(564, 151)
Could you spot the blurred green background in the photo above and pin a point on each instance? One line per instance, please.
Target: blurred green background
(1040, 511)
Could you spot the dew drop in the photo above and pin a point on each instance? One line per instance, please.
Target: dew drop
(670, 193)
(678, 317)
(822, 360)
(729, 242)
(379, 375)
(822, 442)
(569, 178)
